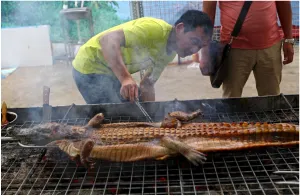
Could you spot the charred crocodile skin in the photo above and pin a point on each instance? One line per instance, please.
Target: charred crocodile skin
(140, 140)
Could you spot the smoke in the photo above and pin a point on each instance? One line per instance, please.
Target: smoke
(45, 133)
(33, 13)
(208, 107)
(175, 105)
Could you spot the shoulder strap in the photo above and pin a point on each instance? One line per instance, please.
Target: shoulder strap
(241, 18)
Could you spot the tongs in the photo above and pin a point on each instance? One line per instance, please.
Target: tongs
(143, 110)
(287, 173)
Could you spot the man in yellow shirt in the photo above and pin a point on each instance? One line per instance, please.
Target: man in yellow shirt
(104, 64)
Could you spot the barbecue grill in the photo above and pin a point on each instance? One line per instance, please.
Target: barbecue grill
(35, 171)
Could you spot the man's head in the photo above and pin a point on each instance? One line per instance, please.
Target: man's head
(193, 31)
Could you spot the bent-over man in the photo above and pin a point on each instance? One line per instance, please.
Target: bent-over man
(104, 64)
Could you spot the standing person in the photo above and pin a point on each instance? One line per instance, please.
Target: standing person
(258, 46)
(103, 66)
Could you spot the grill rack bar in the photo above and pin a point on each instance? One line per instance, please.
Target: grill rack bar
(239, 161)
(69, 109)
(185, 172)
(277, 169)
(288, 103)
(254, 175)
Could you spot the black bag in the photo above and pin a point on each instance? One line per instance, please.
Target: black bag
(218, 52)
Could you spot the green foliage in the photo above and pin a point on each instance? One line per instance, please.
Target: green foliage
(33, 13)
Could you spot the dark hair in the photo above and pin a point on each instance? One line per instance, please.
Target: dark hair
(195, 18)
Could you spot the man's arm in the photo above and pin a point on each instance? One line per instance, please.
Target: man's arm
(209, 7)
(111, 47)
(284, 11)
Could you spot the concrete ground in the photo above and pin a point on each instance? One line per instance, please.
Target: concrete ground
(24, 87)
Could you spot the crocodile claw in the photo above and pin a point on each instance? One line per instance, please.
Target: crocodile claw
(195, 157)
(89, 163)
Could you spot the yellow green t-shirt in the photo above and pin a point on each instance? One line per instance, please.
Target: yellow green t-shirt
(145, 48)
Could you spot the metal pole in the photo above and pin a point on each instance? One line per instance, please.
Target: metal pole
(136, 9)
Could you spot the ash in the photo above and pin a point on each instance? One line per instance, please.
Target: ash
(25, 170)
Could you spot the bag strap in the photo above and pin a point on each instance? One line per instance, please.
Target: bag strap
(240, 20)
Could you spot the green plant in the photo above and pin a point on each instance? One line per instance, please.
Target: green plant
(34, 13)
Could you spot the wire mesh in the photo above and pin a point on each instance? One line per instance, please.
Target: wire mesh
(30, 171)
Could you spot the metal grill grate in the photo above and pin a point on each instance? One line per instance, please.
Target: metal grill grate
(28, 171)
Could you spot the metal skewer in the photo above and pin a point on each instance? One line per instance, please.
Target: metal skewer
(27, 146)
(286, 172)
(287, 182)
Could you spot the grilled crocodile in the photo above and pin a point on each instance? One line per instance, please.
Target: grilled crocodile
(135, 141)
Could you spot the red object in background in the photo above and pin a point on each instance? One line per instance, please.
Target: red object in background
(75, 181)
(295, 32)
(113, 191)
(162, 179)
(201, 188)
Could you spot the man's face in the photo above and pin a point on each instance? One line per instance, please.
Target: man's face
(190, 42)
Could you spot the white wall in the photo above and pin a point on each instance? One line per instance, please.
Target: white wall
(26, 46)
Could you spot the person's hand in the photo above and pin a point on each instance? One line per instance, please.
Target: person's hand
(204, 62)
(129, 89)
(288, 53)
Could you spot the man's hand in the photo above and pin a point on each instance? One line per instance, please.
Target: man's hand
(204, 61)
(129, 89)
(288, 53)
(284, 10)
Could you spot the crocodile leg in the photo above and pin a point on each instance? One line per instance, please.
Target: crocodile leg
(170, 122)
(68, 147)
(190, 153)
(77, 150)
(85, 151)
(127, 152)
(175, 119)
(96, 121)
(134, 152)
(184, 117)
